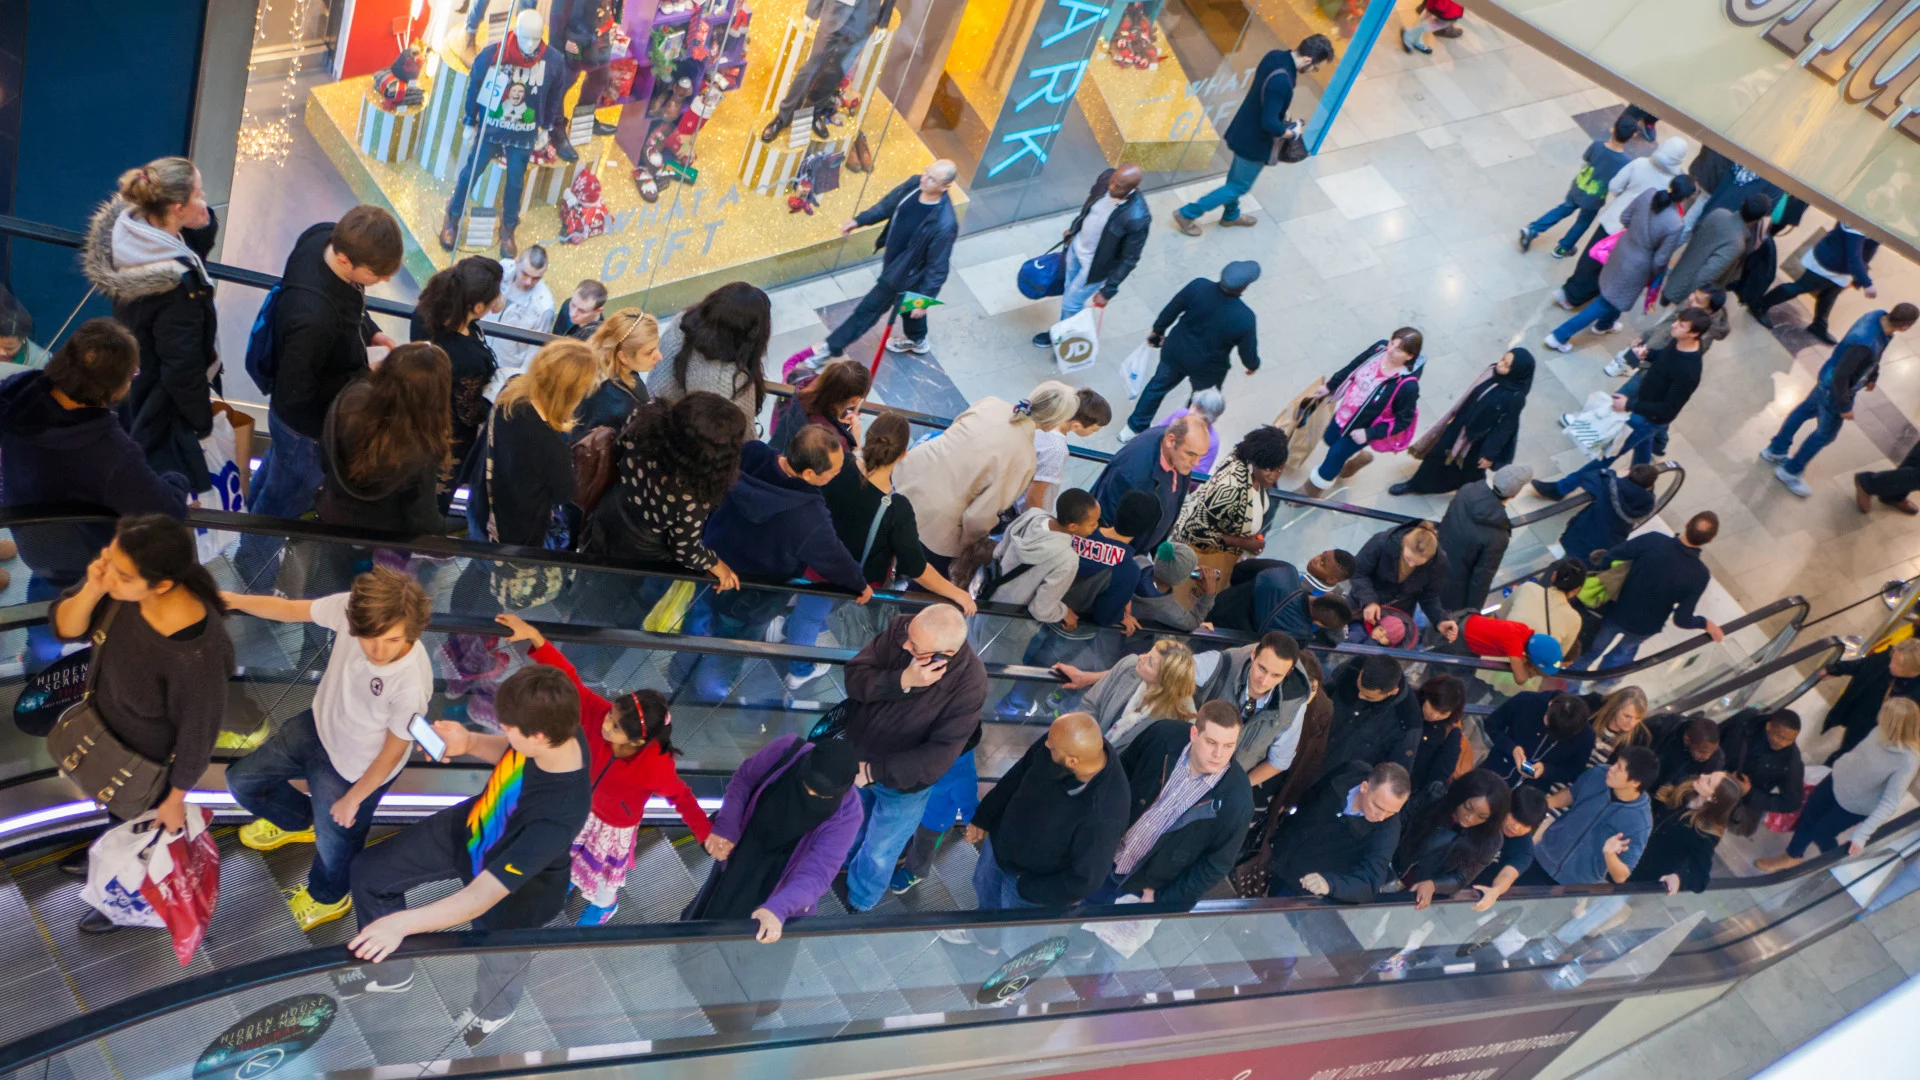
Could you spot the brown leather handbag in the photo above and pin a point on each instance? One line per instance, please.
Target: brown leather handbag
(88, 753)
(593, 467)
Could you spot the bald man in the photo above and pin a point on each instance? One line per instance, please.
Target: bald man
(914, 697)
(1103, 243)
(915, 248)
(1048, 830)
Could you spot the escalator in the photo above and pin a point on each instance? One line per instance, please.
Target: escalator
(882, 995)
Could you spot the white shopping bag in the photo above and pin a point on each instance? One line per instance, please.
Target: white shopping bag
(224, 468)
(1598, 430)
(1126, 936)
(119, 862)
(1138, 368)
(1076, 340)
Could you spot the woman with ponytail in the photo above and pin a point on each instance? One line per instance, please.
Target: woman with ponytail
(630, 760)
(144, 251)
(1649, 235)
(451, 305)
(161, 658)
(962, 480)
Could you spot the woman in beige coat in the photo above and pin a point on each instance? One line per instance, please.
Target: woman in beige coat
(961, 480)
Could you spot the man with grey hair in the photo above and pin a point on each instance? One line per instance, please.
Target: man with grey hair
(915, 245)
(1160, 462)
(529, 306)
(914, 696)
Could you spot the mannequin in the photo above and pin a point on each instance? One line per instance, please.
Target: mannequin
(581, 29)
(512, 97)
(844, 27)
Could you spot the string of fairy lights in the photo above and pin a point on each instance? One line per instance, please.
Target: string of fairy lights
(271, 138)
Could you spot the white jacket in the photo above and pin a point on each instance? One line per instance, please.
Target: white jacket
(1642, 174)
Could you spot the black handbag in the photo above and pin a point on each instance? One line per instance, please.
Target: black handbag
(88, 753)
(1288, 149)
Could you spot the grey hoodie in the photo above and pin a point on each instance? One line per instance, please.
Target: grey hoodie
(1031, 541)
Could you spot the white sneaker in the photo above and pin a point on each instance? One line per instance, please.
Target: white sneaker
(1556, 344)
(1614, 329)
(956, 937)
(795, 682)
(474, 1030)
(1566, 419)
(777, 630)
(1617, 366)
(904, 344)
(1772, 458)
(1560, 299)
(1794, 484)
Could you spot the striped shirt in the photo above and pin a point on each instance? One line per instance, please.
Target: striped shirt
(1181, 790)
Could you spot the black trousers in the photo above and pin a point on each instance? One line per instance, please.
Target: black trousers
(1168, 374)
(427, 852)
(1824, 293)
(1893, 485)
(879, 303)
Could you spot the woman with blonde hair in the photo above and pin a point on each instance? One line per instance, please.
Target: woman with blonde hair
(961, 480)
(1689, 818)
(1158, 685)
(625, 347)
(519, 491)
(1619, 722)
(1863, 790)
(145, 252)
(1402, 567)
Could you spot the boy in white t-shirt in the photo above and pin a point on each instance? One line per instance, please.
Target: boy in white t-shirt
(351, 745)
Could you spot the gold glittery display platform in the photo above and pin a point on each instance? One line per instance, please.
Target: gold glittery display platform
(666, 254)
(1147, 116)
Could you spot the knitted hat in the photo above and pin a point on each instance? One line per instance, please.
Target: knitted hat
(1173, 563)
(1510, 480)
(1137, 514)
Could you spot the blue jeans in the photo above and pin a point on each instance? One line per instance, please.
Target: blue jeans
(285, 487)
(1817, 407)
(1240, 177)
(1821, 822)
(477, 12)
(804, 623)
(477, 161)
(1624, 648)
(1167, 375)
(1078, 292)
(1645, 438)
(954, 797)
(1340, 448)
(995, 890)
(1570, 242)
(259, 783)
(891, 818)
(43, 646)
(1598, 314)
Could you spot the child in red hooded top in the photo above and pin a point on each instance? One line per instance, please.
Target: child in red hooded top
(630, 760)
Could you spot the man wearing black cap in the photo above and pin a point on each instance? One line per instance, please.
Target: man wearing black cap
(1195, 333)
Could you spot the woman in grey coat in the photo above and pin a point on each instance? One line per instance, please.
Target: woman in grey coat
(1722, 239)
(1650, 233)
(717, 345)
(1127, 698)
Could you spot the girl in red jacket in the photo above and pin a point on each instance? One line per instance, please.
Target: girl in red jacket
(630, 760)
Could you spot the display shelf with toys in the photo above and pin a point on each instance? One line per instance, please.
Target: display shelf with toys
(1139, 100)
(830, 127)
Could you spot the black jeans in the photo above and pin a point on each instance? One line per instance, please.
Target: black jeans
(1825, 293)
(1893, 485)
(879, 303)
(1167, 375)
(429, 852)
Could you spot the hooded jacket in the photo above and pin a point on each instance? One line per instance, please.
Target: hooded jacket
(1370, 732)
(776, 527)
(1032, 541)
(50, 454)
(1376, 576)
(1053, 835)
(910, 738)
(1719, 242)
(1473, 535)
(817, 857)
(1281, 717)
(1656, 170)
(1642, 252)
(160, 291)
(320, 332)
(1198, 848)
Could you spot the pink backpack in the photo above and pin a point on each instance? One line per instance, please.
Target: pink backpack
(1398, 440)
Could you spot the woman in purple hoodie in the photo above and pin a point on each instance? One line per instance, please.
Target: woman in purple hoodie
(789, 819)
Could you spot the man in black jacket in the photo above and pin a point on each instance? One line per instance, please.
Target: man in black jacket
(1871, 680)
(1191, 804)
(1376, 716)
(1341, 843)
(1763, 757)
(915, 247)
(1475, 533)
(1667, 578)
(60, 443)
(1196, 332)
(1103, 243)
(1261, 118)
(1672, 375)
(1048, 830)
(320, 331)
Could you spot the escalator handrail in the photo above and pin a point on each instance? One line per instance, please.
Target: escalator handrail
(68, 238)
(226, 981)
(1794, 658)
(1581, 499)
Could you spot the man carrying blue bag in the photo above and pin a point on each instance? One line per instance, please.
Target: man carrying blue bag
(1101, 248)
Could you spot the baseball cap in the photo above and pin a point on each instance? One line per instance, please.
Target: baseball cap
(1544, 653)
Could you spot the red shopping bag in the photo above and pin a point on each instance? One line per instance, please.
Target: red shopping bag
(182, 883)
(1782, 822)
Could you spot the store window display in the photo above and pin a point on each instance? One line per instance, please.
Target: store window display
(513, 98)
(842, 27)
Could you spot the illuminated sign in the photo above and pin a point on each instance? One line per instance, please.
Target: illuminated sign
(1042, 93)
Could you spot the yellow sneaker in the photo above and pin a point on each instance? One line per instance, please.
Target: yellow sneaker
(234, 740)
(310, 913)
(263, 835)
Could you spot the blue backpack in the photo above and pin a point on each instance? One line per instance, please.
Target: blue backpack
(263, 352)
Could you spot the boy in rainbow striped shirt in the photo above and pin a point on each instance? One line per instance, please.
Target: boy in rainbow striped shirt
(510, 846)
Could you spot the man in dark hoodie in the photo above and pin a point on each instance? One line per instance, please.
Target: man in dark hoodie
(319, 334)
(61, 443)
(1620, 504)
(1376, 716)
(772, 526)
(1048, 830)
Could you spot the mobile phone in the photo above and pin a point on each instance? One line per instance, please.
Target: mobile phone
(429, 739)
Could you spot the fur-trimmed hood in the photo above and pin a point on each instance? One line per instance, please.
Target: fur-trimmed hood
(123, 283)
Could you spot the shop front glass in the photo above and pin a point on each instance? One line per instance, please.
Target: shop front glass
(663, 147)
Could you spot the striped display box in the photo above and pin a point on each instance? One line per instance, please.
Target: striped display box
(768, 166)
(388, 136)
(440, 125)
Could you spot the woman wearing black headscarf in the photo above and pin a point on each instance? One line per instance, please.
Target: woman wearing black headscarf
(1481, 432)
